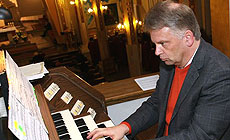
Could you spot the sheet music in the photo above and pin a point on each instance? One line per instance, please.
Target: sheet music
(147, 83)
(25, 119)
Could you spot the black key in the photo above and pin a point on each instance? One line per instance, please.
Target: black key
(80, 122)
(108, 138)
(65, 137)
(83, 128)
(62, 130)
(57, 117)
(84, 135)
(101, 126)
(59, 123)
(56, 114)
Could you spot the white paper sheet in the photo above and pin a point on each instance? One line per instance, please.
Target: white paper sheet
(147, 83)
(3, 112)
(34, 71)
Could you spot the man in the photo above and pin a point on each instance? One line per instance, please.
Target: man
(192, 98)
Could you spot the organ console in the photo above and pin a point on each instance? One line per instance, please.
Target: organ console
(79, 90)
(74, 109)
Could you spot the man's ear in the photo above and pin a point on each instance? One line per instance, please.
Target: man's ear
(189, 38)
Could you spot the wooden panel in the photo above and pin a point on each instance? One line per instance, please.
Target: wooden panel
(122, 90)
(79, 89)
(46, 113)
(2, 61)
(220, 25)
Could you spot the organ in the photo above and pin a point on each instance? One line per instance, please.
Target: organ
(85, 100)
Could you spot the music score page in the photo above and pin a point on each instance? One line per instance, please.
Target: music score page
(25, 119)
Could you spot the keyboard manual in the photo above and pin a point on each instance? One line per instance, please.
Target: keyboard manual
(76, 129)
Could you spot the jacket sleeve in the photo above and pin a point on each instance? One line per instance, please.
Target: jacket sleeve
(145, 116)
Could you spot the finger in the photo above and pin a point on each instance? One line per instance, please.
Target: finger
(95, 133)
(98, 135)
(90, 134)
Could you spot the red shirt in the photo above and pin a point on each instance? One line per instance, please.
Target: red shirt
(178, 81)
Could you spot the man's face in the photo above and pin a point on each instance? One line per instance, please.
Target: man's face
(169, 47)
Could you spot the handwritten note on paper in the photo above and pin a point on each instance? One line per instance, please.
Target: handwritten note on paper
(147, 83)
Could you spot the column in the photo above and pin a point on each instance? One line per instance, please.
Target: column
(82, 25)
(106, 64)
(132, 47)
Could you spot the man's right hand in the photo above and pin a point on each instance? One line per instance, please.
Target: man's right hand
(115, 132)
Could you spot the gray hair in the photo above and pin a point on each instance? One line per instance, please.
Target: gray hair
(175, 16)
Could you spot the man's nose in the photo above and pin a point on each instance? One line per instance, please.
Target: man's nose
(158, 50)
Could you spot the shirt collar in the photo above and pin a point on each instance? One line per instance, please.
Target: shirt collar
(190, 61)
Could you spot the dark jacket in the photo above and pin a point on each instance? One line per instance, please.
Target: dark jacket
(202, 111)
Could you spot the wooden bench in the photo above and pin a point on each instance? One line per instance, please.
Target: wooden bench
(62, 59)
(22, 53)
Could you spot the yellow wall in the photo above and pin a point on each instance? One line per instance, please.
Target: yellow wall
(220, 25)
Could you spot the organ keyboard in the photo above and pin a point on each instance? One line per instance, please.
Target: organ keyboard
(76, 129)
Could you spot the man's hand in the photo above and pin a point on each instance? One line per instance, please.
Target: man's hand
(115, 133)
